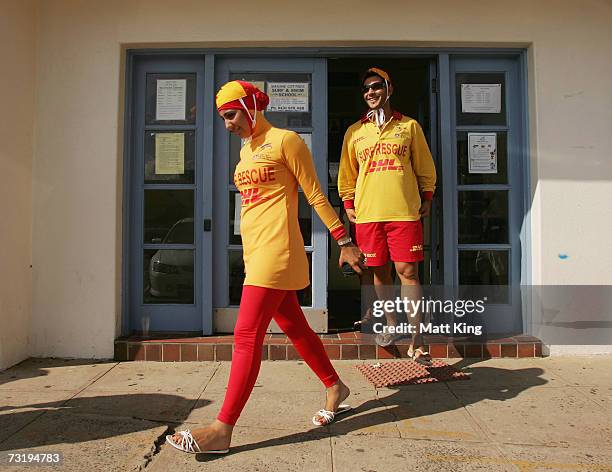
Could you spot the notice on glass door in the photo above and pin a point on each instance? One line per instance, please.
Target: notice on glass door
(286, 96)
(482, 153)
(481, 98)
(171, 98)
(170, 153)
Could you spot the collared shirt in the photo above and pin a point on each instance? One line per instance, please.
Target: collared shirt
(385, 172)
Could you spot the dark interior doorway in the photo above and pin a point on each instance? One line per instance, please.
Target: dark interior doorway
(411, 81)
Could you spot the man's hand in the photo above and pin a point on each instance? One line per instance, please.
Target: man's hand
(352, 216)
(352, 254)
(425, 209)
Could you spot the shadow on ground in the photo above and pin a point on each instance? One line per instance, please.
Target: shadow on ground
(518, 380)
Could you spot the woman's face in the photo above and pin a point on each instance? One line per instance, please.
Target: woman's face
(236, 122)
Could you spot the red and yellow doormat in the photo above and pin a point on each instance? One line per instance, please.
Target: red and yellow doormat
(409, 373)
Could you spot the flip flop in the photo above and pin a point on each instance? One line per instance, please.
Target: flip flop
(189, 445)
(366, 320)
(419, 359)
(328, 417)
(384, 340)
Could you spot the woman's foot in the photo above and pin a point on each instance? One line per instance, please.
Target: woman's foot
(335, 395)
(217, 436)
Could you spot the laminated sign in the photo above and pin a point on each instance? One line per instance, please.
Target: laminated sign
(170, 99)
(482, 151)
(288, 96)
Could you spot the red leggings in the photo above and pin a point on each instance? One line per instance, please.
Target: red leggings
(257, 307)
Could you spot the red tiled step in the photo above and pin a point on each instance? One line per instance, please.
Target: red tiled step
(351, 345)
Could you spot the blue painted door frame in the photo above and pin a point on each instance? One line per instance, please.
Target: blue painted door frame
(170, 316)
(507, 317)
(211, 182)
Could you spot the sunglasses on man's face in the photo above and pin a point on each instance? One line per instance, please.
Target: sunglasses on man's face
(374, 86)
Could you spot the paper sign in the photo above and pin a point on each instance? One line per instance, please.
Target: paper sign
(481, 98)
(170, 153)
(482, 153)
(307, 137)
(288, 96)
(171, 96)
(237, 208)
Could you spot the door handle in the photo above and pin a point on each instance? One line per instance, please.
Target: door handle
(207, 224)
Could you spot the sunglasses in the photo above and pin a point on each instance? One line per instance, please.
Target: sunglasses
(374, 86)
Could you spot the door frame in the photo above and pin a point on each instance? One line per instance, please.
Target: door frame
(444, 134)
(191, 317)
(225, 314)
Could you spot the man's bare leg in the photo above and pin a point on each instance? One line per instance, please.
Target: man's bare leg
(408, 272)
(383, 286)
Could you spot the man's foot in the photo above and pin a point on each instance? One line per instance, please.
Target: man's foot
(386, 339)
(335, 395)
(420, 356)
(214, 437)
(365, 322)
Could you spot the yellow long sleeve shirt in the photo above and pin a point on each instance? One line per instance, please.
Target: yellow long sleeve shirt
(384, 173)
(272, 165)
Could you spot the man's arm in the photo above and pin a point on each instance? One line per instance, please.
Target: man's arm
(347, 175)
(423, 167)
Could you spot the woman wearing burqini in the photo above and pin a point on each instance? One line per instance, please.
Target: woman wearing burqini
(273, 162)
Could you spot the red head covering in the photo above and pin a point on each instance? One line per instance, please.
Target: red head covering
(228, 97)
(240, 95)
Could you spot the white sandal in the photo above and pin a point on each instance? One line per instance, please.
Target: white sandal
(420, 359)
(189, 445)
(328, 417)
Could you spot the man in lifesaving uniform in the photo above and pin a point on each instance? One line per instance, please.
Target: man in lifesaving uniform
(386, 180)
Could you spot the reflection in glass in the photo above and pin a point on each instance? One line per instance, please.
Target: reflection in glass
(305, 218)
(236, 280)
(186, 177)
(234, 155)
(483, 267)
(234, 218)
(164, 210)
(168, 276)
(305, 295)
(486, 267)
(483, 217)
(463, 175)
(488, 119)
(236, 276)
(151, 98)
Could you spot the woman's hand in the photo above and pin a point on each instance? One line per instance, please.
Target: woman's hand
(352, 255)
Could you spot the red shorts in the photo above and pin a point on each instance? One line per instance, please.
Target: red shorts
(402, 240)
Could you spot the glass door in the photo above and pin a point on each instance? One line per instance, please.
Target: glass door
(169, 191)
(297, 102)
(486, 185)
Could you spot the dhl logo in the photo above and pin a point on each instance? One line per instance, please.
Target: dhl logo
(384, 165)
(416, 247)
(250, 196)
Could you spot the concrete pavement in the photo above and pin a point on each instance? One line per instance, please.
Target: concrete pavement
(527, 415)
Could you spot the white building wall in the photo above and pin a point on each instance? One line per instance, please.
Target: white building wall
(78, 161)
